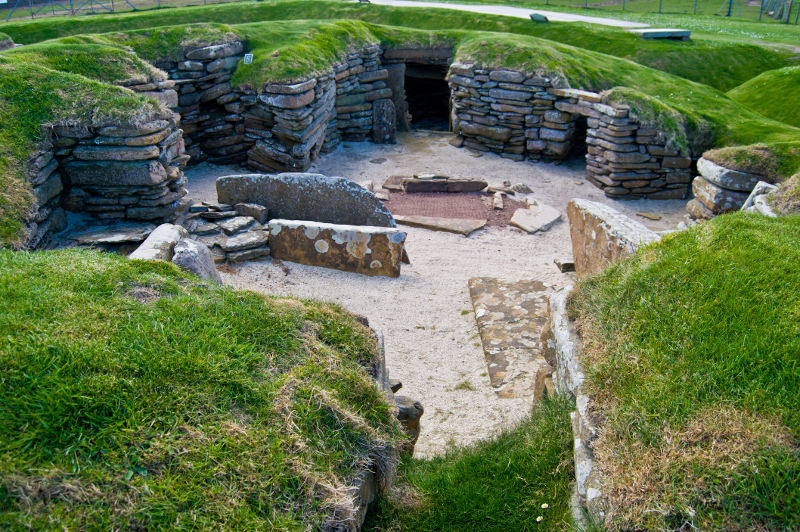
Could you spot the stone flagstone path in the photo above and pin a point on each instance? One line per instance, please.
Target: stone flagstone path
(511, 316)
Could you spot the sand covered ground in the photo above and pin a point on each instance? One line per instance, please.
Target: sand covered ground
(432, 342)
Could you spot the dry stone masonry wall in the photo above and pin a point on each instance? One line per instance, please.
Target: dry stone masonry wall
(520, 116)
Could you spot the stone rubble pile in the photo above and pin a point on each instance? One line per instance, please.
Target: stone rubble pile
(718, 190)
(233, 233)
(519, 116)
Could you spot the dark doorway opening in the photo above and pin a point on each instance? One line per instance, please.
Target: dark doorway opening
(428, 96)
(577, 151)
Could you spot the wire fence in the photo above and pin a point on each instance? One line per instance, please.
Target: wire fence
(786, 11)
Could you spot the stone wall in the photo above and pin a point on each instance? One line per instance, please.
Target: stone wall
(520, 116)
(213, 113)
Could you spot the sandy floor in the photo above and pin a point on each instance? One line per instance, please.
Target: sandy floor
(432, 342)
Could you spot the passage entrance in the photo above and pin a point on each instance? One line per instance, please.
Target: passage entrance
(428, 96)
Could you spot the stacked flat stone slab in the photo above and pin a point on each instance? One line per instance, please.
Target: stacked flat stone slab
(232, 233)
(522, 116)
(299, 120)
(718, 189)
(127, 171)
(48, 218)
(213, 113)
(354, 248)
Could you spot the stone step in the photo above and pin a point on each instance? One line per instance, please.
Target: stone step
(511, 317)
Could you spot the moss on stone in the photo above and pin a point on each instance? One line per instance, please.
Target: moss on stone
(786, 200)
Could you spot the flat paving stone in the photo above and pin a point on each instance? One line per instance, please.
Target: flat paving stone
(461, 226)
(511, 317)
(537, 217)
(114, 234)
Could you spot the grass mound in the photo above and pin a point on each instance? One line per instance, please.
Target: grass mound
(691, 348)
(786, 200)
(34, 95)
(720, 64)
(772, 94)
(498, 484)
(136, 397)
(5, 41)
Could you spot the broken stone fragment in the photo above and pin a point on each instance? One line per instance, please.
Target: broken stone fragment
(236, 224)
(248, 240)
(160, 244)
(258, 212)
(461, 226)
(409, 413)
(725, 177)
(537, 217)
(195, 257)
(716, 198)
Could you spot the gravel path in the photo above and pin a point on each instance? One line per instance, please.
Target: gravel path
(432, 342)
(517, 12)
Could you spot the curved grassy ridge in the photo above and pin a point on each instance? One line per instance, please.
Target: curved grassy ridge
(720, 64)
(773, 94)
(694, 116)
(135, 396)
(34, 95)
(692, 357)
(5, 40)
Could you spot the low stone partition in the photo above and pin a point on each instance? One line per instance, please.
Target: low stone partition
(601, 235)
(522, 116)
(302, 196)
(718, 189)
(361, 249)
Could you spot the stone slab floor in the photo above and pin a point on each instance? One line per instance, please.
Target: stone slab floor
(432, 342)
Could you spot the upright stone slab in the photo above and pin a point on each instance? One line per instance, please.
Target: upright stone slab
(361, 249)
(312, 197)
(601, 235)
(160, 245)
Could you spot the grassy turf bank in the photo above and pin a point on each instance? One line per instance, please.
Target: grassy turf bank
(135, 396)
(692, 352)
(498, 484)
(772, 94)
(722, 65)
(34, 95)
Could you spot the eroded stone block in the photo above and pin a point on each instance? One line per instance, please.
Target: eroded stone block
(361, 249)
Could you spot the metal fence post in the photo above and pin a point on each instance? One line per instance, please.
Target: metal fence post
(659, 5)
(695, 6)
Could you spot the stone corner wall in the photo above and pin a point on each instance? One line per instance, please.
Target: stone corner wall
(519, 116)
(718, 189)
(601, 235)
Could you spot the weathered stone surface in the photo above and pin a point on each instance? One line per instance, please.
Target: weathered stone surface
(160, 244)
(144, 140)
(236, 224)
(537, 217)
(248, 240)
(258, 212)
(383, 121)
(288, 101)
(115, 173)
(409, 413)
(248, 254)
(511, 317)
(115, 153)
(461, 226)
(501, 134)
(133, 131)
(716, 198)
(48, 190)
(115, 234)
(601, 235)
(195, 257)
(699, 211)
(215, 51)
(757, 200)
(313, 197)
(296, 88)
(362, 249)
(725, 177)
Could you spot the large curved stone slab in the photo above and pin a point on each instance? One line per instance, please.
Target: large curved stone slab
(302, 196)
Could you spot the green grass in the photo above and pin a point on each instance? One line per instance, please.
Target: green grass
(772, 94)
(692, 357)
(721, 64)
(5, 40)
(135, 396)
(497, 484)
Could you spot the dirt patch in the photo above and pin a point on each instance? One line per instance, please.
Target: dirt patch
(457, 205)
